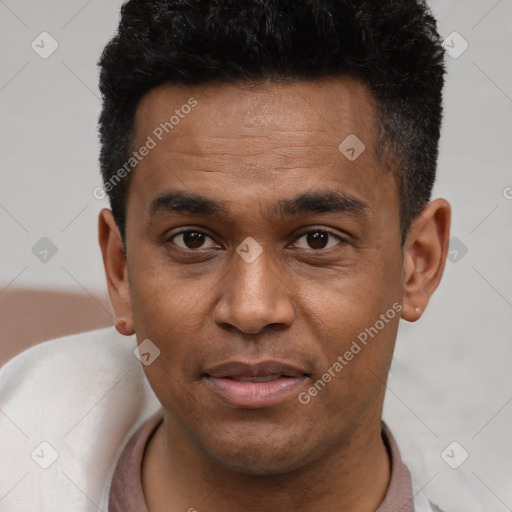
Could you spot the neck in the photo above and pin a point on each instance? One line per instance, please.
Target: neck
(352, 476)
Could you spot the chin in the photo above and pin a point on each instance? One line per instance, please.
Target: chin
(259, 454)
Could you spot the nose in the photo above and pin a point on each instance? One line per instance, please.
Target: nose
(254, 296)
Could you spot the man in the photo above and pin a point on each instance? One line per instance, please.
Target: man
(269, 167)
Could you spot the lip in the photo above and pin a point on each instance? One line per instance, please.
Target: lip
(262, 369)
(232, 382)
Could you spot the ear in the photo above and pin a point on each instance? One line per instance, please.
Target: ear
(116, 271)
(425, 251)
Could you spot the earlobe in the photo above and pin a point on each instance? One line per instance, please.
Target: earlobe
(116, 271)
(122, 327)
(425, 252)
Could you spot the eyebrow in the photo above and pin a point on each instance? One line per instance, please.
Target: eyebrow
(176, 202)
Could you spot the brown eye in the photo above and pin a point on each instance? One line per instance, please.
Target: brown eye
(319, 239)
(190, 239)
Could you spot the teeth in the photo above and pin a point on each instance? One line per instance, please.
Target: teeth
(267, 378)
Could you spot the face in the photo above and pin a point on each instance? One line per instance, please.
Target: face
(259, 254)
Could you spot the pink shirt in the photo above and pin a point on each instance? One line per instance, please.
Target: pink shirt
(126, 494)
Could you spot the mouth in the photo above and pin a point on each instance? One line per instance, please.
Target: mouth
(254, 386)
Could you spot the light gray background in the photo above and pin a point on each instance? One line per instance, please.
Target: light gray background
(457, 357)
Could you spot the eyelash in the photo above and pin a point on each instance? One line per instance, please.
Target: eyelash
(318, 230)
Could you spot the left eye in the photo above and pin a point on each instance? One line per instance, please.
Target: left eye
(319, 239)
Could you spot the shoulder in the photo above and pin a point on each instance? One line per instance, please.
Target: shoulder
(67, 406)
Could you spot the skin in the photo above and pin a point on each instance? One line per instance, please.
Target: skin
(301, 302)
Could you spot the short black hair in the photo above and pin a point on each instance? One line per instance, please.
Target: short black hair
(392, 46)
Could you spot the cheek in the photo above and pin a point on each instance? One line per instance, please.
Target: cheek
(362, 336)
(173, 313)
(344, 307)
(164, 314)
(356, 319)
(158, 301)
(357, 347)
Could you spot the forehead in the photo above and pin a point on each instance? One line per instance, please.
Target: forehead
(298, 109)
(241, 139)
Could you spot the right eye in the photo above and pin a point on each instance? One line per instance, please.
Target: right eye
(190, 239)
